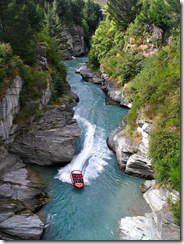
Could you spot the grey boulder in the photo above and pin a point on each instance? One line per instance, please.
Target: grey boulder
(51, 140)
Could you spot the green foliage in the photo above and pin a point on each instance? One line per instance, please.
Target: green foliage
(80, 12)
(102, 42)
(87, 33)
(52, 20)
(158, 13)
(151, 85)
(34, 83)
(10, 66)
(2, 75)
(135, 29)
(92, 14)
(76, 10)
(58, 88)
(18, 23)
(164, 150)
(64, 9)
(122, 12)
(132, 116)
(164, 14)
(26, 114)
(54, 55)
(5, 53)
(124, 66)
(85, 13)
(5, 56)
(158, 92)
(177, 212)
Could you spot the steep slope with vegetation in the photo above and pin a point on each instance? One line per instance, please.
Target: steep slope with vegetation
(26, 24)
(138, 46)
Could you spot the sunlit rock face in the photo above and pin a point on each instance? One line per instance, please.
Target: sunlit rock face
(157, 225)
(132, 156)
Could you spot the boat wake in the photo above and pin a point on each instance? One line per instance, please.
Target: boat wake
(91, 159)
(98, 158)
(79, 160)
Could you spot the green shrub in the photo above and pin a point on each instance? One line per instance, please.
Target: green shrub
(2, 74)
(164, 148)
(102, 41)
(59, 89)
(10, 66)
(54, 54)
(175, 171)
(123, 66)
(34, 83)
(177, 212)
(5, 53)
(26, 114)
(132, 116)
(135, 28)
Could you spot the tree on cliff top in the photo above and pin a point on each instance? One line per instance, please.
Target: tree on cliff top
(19, 20)
(52, 20)
(123, 12)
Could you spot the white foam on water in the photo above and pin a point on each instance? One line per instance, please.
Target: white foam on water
(79, 160)
(50, 219)
(98, 159)
(94, 153)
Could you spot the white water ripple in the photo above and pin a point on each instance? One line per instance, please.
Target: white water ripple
(91, 159)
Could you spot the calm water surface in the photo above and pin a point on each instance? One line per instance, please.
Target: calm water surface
(93, 212)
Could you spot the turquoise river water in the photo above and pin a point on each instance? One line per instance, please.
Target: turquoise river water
(93, 212)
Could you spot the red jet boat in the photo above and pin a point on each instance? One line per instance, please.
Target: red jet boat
(77, 178)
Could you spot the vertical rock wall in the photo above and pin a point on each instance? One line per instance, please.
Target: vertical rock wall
(132, 156)
(9, 106)
(73, 44)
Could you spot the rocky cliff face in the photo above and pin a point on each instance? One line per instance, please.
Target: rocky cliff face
(51, 140)
(114, 95)
(132, 156)
(157, 225)
(73, 44)
(41, 54)
(9, 107)
(22, 195)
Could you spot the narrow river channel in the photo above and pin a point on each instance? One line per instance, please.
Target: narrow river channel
(93, 212)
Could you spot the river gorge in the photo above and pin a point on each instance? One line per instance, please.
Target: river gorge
(91, 213)
(95, 87)
(38, 201)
